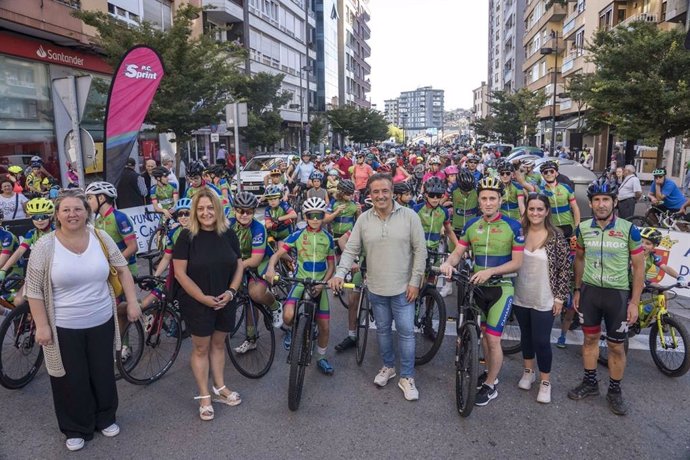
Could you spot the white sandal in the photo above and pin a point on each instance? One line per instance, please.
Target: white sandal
(205, 412)
(232, 399)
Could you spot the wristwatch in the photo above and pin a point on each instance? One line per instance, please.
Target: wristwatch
(232, 292)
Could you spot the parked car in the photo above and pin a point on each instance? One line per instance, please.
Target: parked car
(256, 169)
(525, 150)
(503, 148)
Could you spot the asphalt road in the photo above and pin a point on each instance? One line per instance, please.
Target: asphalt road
(346, 416)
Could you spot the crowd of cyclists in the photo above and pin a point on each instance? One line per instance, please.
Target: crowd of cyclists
(471, 204)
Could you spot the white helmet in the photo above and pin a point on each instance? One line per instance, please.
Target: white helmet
(434, 160)
(314, 204)
(101, 188)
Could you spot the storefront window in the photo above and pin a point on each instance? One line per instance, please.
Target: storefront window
(26, 115)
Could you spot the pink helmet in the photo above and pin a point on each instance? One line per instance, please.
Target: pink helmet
(452, 169)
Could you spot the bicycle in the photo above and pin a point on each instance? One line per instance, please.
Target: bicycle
(150, 346)
(20, 356)
(430, 315)
(365, 314)
(156, 243)
(254, 325)
(665, 219)
(469, 334)
(668, 337)
(304, 332)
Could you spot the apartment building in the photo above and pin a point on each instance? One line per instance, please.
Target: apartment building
(421, 109)
(506, 28)
(480, 102)
(392, 111)
(353, 51)
(327, 83)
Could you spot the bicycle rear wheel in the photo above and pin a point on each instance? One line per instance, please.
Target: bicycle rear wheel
(253, 325)
(20, 356)
(510, 339)
(429, 325)
(466, 369)
(154, 345)
(362, 333)
(669, 347)
(299, 359)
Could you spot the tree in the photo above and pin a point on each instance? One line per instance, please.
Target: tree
(198, 70)
(317, 128)
(359, 124)
(484, 128)
(396, 133)
(641, 83)
(263, 95)
(515, 115)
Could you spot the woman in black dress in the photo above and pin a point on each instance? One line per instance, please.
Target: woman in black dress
(208, 270)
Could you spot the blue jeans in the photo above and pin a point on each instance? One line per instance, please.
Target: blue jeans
(386, 309)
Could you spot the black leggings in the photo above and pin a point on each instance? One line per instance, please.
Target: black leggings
(535, 335)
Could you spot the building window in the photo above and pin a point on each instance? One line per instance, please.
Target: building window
(159, 13)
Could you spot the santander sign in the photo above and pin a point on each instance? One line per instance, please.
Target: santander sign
(58, 56)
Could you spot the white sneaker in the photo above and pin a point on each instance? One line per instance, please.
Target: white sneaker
(112, 431)
(544, 395)
(277, 317)
(528, 378)
(446, 290)
(246, 346)
(384, 375)
(406, 384)
(126, 353)
(74, 444)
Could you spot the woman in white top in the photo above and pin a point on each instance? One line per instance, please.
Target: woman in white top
(11, 202)
(540, 288)
(73, 307)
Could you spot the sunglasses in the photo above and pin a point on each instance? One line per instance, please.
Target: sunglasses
(41, 217)
(549, 171)
(435, 195)
(315, 215)
(244, 212)
(506, 173)
(183, 214)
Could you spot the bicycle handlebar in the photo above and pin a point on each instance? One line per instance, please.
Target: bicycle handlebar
(144, 281)
(661, 289)
(10, 279)
(456, 272)
(308, 281)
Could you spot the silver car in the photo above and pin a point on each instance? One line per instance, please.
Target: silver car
(257, 169)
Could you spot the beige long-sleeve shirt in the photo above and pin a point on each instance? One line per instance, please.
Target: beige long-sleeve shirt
(395, 250)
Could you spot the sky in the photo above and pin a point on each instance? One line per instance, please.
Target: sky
(439, 43)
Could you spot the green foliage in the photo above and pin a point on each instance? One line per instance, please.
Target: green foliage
(263, 95)
(397, 133)
(641, 83)
(360, 125)
(198, 70)
(484, 128)
(514, 116)
(317, 130)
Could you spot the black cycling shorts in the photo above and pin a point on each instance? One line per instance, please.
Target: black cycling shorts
(611, 305)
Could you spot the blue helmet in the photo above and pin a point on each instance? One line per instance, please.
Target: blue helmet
(183, 203)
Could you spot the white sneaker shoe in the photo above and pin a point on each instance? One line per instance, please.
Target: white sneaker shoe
(73, 444)
(406, 384)
(544, 395)
(384, 375)
(112, 431)
(277, 317)
(246, 346)
(528, 378)
(446, 290)
(126, 353)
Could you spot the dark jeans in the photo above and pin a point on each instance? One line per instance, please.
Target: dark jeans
(535, 335)
(626, 208)
(85, 398)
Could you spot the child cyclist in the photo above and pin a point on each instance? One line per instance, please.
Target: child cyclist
(403, 194)
(163, 194)
(279, 216)
(315, 260)
(342, 210)
(316, 190)
(651, 237)
(435, 218)
(332, 181)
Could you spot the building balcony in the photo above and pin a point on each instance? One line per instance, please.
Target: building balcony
(531, 60)
(644, 17)
(555, 13)
(224, 11)
(542, 82)
(572, 24)
(573, 63)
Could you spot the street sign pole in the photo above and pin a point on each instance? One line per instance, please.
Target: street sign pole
(236, 130)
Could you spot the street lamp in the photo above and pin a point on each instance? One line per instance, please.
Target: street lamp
(307, 69)
(554, 51)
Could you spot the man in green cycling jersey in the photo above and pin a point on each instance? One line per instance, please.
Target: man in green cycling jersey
(606, 249)
(163, 195)
(464, 197)
(565, 214)
(513, 202)
(497, 245)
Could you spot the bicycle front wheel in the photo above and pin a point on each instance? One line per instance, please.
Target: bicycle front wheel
(20, 356)
(155, 248)
(150, 347)
(299, 359)
(429, 325)
(510, 339)
(252, 345)
(466, 369)
(669, 347)
(362, 333)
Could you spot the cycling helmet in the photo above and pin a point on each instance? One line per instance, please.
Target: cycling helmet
(346, 186)
(36, 164)
(371, 156)
(466, 180)
(101, 188)
(15, 169)
(659, 172)
(473, 157)
(528, 162)
(491, 183)
(359, 155)
(216, 170)
(400, 188)
(36, 159)
(452, 169)
(273, 191)
(549, 164)
(159, 172)
(602, 186)
(183, 203)
(651, 234)
(275, 172)
(316, 175)
(333, 172)
(196, 168)
(434, 160)
(295, 159)
(505, 166)
(314, 204)
(246, 200)
(434, 185)
(39, 206)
